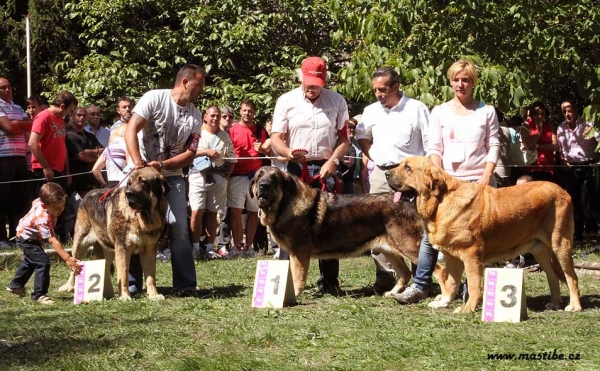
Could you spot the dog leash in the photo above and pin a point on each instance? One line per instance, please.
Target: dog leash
(306, 178)
(105, 194)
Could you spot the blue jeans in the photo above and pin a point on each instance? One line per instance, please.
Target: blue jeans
(35, 260)
(426, 264)
(182, 260)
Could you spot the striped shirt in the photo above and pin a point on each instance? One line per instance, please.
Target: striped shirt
(38, 224)
(12, 144)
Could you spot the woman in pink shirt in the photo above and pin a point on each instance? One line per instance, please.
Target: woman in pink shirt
(463, 132)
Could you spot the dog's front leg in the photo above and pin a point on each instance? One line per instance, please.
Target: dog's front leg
(122, 259)
(474, 269)
(299, 265)
(109, 255)
(148, 259)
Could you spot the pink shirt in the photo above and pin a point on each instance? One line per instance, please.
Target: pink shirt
(465, 143)
(311, 126)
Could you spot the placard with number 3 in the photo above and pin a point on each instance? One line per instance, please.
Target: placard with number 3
(504, 296)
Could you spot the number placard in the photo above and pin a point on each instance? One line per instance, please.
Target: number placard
(273, 287)
(89, 284)
(504, 296)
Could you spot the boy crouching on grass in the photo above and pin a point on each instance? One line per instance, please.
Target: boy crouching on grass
(33, 228)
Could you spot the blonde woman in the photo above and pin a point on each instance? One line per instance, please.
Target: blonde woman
(114, 159)
(463, 132)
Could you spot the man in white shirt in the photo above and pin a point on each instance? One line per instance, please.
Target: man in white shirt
(313, 119)
(392, 129)
(163, 133)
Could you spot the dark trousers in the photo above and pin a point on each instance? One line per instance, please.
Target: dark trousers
(14, 197)
(581, 186)
(60, 228)
(224, 236)
(329, 268)
(35, 260)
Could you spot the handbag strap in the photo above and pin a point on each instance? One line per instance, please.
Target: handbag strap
(112, 159)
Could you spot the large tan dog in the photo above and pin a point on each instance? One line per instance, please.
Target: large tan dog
(474, 224)
(308, 222)
(128, 221)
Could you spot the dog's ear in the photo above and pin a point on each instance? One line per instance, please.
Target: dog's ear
(256, 179)
(434, 180)
(166, 187)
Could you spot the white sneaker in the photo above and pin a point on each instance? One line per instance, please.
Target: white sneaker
(211, 255)
(276, 253)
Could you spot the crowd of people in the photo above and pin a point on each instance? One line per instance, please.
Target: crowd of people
(209, 160)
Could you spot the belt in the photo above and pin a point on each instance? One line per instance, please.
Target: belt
(387, 167)
(29, 242)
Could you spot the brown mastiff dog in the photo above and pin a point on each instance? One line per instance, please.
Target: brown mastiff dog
(308, 222)
(128, 221)
(474, 224)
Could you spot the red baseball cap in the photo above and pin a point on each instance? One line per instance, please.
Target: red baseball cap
(314, 71)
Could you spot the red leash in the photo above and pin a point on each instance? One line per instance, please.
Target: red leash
(105, 194)
(308, 180)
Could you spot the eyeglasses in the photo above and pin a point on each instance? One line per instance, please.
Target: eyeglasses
(227, 116)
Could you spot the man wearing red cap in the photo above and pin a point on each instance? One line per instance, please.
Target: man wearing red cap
(310, 129)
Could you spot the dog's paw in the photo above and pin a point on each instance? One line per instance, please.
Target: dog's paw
(464, 309)
(439, 302)
(66, 288)
(554, 306)
(573, 308)
(125, 298)
(156, 297)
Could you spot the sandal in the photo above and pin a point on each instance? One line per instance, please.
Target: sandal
(45, 300)
(18, 291)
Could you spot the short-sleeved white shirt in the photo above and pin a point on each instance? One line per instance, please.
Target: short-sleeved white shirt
(311, 126)
(169, 126)
(397, 133)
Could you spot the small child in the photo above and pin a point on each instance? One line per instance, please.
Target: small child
(33, 228)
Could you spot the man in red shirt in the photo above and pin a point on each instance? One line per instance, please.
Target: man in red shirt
(48, 148)
(248, 140)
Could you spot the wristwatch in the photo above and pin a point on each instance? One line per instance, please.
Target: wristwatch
(336, 161)
(161, 166)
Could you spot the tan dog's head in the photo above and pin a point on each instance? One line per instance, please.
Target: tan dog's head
(146, 189)
(270, 185)
(418, 174)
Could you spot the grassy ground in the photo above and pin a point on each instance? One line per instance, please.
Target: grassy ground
(220, 331)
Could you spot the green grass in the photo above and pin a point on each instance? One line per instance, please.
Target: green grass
(220, 330)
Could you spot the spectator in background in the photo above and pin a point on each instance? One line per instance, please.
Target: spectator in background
(248, 140)
(351, 162)
(49, 152)
(124, 107)
(542, 138)
(93, 118)
(502, 170)
(35, 105)
(207, 197)
(14, 125)
(226, 118)
(224, 237)
(578, 152)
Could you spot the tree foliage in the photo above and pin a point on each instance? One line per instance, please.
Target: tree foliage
(101, 49)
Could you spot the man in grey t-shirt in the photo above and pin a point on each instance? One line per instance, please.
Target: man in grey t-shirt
(163, 133)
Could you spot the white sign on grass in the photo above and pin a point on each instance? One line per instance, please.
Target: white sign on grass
(273, 287)
(504, 296)
(89, 284)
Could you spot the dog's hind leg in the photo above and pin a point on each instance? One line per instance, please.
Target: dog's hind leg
(402, 273)
(148, 259)
(563, 255)
(299, 265)
(543, 255)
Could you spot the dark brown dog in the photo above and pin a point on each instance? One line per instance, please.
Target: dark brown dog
(308, 222)
(475, 224)
(129, 221)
